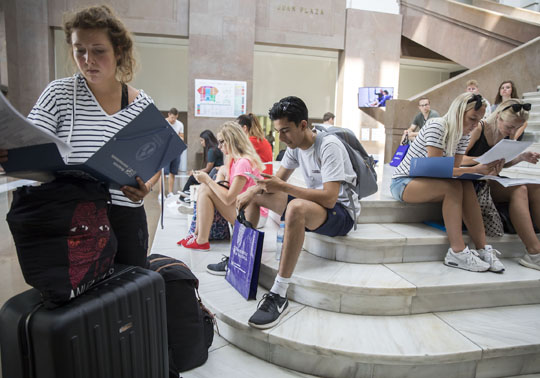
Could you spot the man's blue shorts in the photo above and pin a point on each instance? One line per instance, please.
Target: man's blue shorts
(173, 166)
(338, 221)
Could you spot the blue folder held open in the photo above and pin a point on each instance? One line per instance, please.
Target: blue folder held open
(141, 148)
(437, 167)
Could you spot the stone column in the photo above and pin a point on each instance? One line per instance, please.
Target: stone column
(370, 59)
(221, 42)
(29, 51)
(397, 118)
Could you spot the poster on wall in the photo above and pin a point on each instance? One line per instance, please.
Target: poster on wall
(220, 98)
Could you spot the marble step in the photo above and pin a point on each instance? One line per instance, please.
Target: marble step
(401, 289)
(376, 243)
(492, 342)
(534, 101)
(533, 136)
(528, 95)
(227, 361)
(533, 125)
(382, 208)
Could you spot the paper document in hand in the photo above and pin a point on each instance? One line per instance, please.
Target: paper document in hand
(506, 149)
(17, 131)
(141, 148)
(442, 167)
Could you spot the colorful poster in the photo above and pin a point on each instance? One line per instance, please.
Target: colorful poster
(220, 98)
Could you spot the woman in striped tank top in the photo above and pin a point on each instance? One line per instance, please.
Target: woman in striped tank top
(87, 109)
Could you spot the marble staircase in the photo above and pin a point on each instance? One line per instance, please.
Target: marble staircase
(379, 302)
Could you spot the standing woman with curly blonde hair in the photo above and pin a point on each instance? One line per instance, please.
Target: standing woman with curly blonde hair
(241, 161)
(87, 109)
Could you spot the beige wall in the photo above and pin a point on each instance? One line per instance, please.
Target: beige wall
(307, 73)
(161, 17)
(512, 11)
(309, 23)
(417, 75)
(161, 68)
(414, 80)
(483, 35)
(371, 61)
(221, 42)
(163, 71)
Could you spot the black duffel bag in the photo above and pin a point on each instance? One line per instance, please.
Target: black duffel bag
(190, 325)
(63, 237)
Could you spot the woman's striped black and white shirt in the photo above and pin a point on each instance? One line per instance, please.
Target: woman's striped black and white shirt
(93, 127)
(430, 135)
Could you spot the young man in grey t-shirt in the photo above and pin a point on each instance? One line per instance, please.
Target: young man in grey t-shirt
(420, 119)
(323, 207)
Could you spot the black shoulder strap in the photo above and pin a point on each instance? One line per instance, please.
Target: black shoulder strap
(125, 99)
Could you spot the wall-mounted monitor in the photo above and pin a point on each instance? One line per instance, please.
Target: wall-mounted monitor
(372, 97)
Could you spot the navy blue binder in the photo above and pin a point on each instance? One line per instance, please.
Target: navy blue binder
(144, 146)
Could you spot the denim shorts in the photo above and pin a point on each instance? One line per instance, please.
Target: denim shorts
(397, 186)
(338, 221)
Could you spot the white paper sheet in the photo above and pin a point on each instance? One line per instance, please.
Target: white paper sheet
(506, 149)
(16, 131)
(508, 181)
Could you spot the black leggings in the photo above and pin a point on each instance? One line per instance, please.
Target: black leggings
(191, 181)
(131, 230)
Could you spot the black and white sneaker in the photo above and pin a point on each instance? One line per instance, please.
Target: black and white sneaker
(219, 269)
(271, 309)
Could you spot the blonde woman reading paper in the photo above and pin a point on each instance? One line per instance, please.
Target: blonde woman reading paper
(241, 159)
(523, 200)
(449, 136)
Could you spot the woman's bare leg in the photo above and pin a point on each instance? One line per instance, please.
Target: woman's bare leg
(518, 198)
(450, 193)
(472, 215)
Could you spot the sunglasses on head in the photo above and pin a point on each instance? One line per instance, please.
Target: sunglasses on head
(283, 105)
(517, 107)
(478, 99)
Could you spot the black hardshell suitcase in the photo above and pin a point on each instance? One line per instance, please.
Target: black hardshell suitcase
(117, 329)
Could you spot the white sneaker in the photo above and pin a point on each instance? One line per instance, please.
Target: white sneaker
(183, 194)
(467, 259)
(169, 195)
(185, 209)
(489, 255)
(531, 261)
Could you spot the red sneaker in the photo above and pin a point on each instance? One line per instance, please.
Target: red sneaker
(192, 244)
(185, 240)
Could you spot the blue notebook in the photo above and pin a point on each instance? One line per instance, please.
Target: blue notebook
(437, 167)
(144, 146)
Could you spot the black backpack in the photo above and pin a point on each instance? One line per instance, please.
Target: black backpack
(63, 236)
(190, 325)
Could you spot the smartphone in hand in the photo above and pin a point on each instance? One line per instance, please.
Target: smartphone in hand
(252, 176)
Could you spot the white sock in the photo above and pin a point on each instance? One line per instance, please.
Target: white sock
(280, 286)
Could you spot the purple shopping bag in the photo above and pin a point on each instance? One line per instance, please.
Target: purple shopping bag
(245, 258)
(400, 152)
